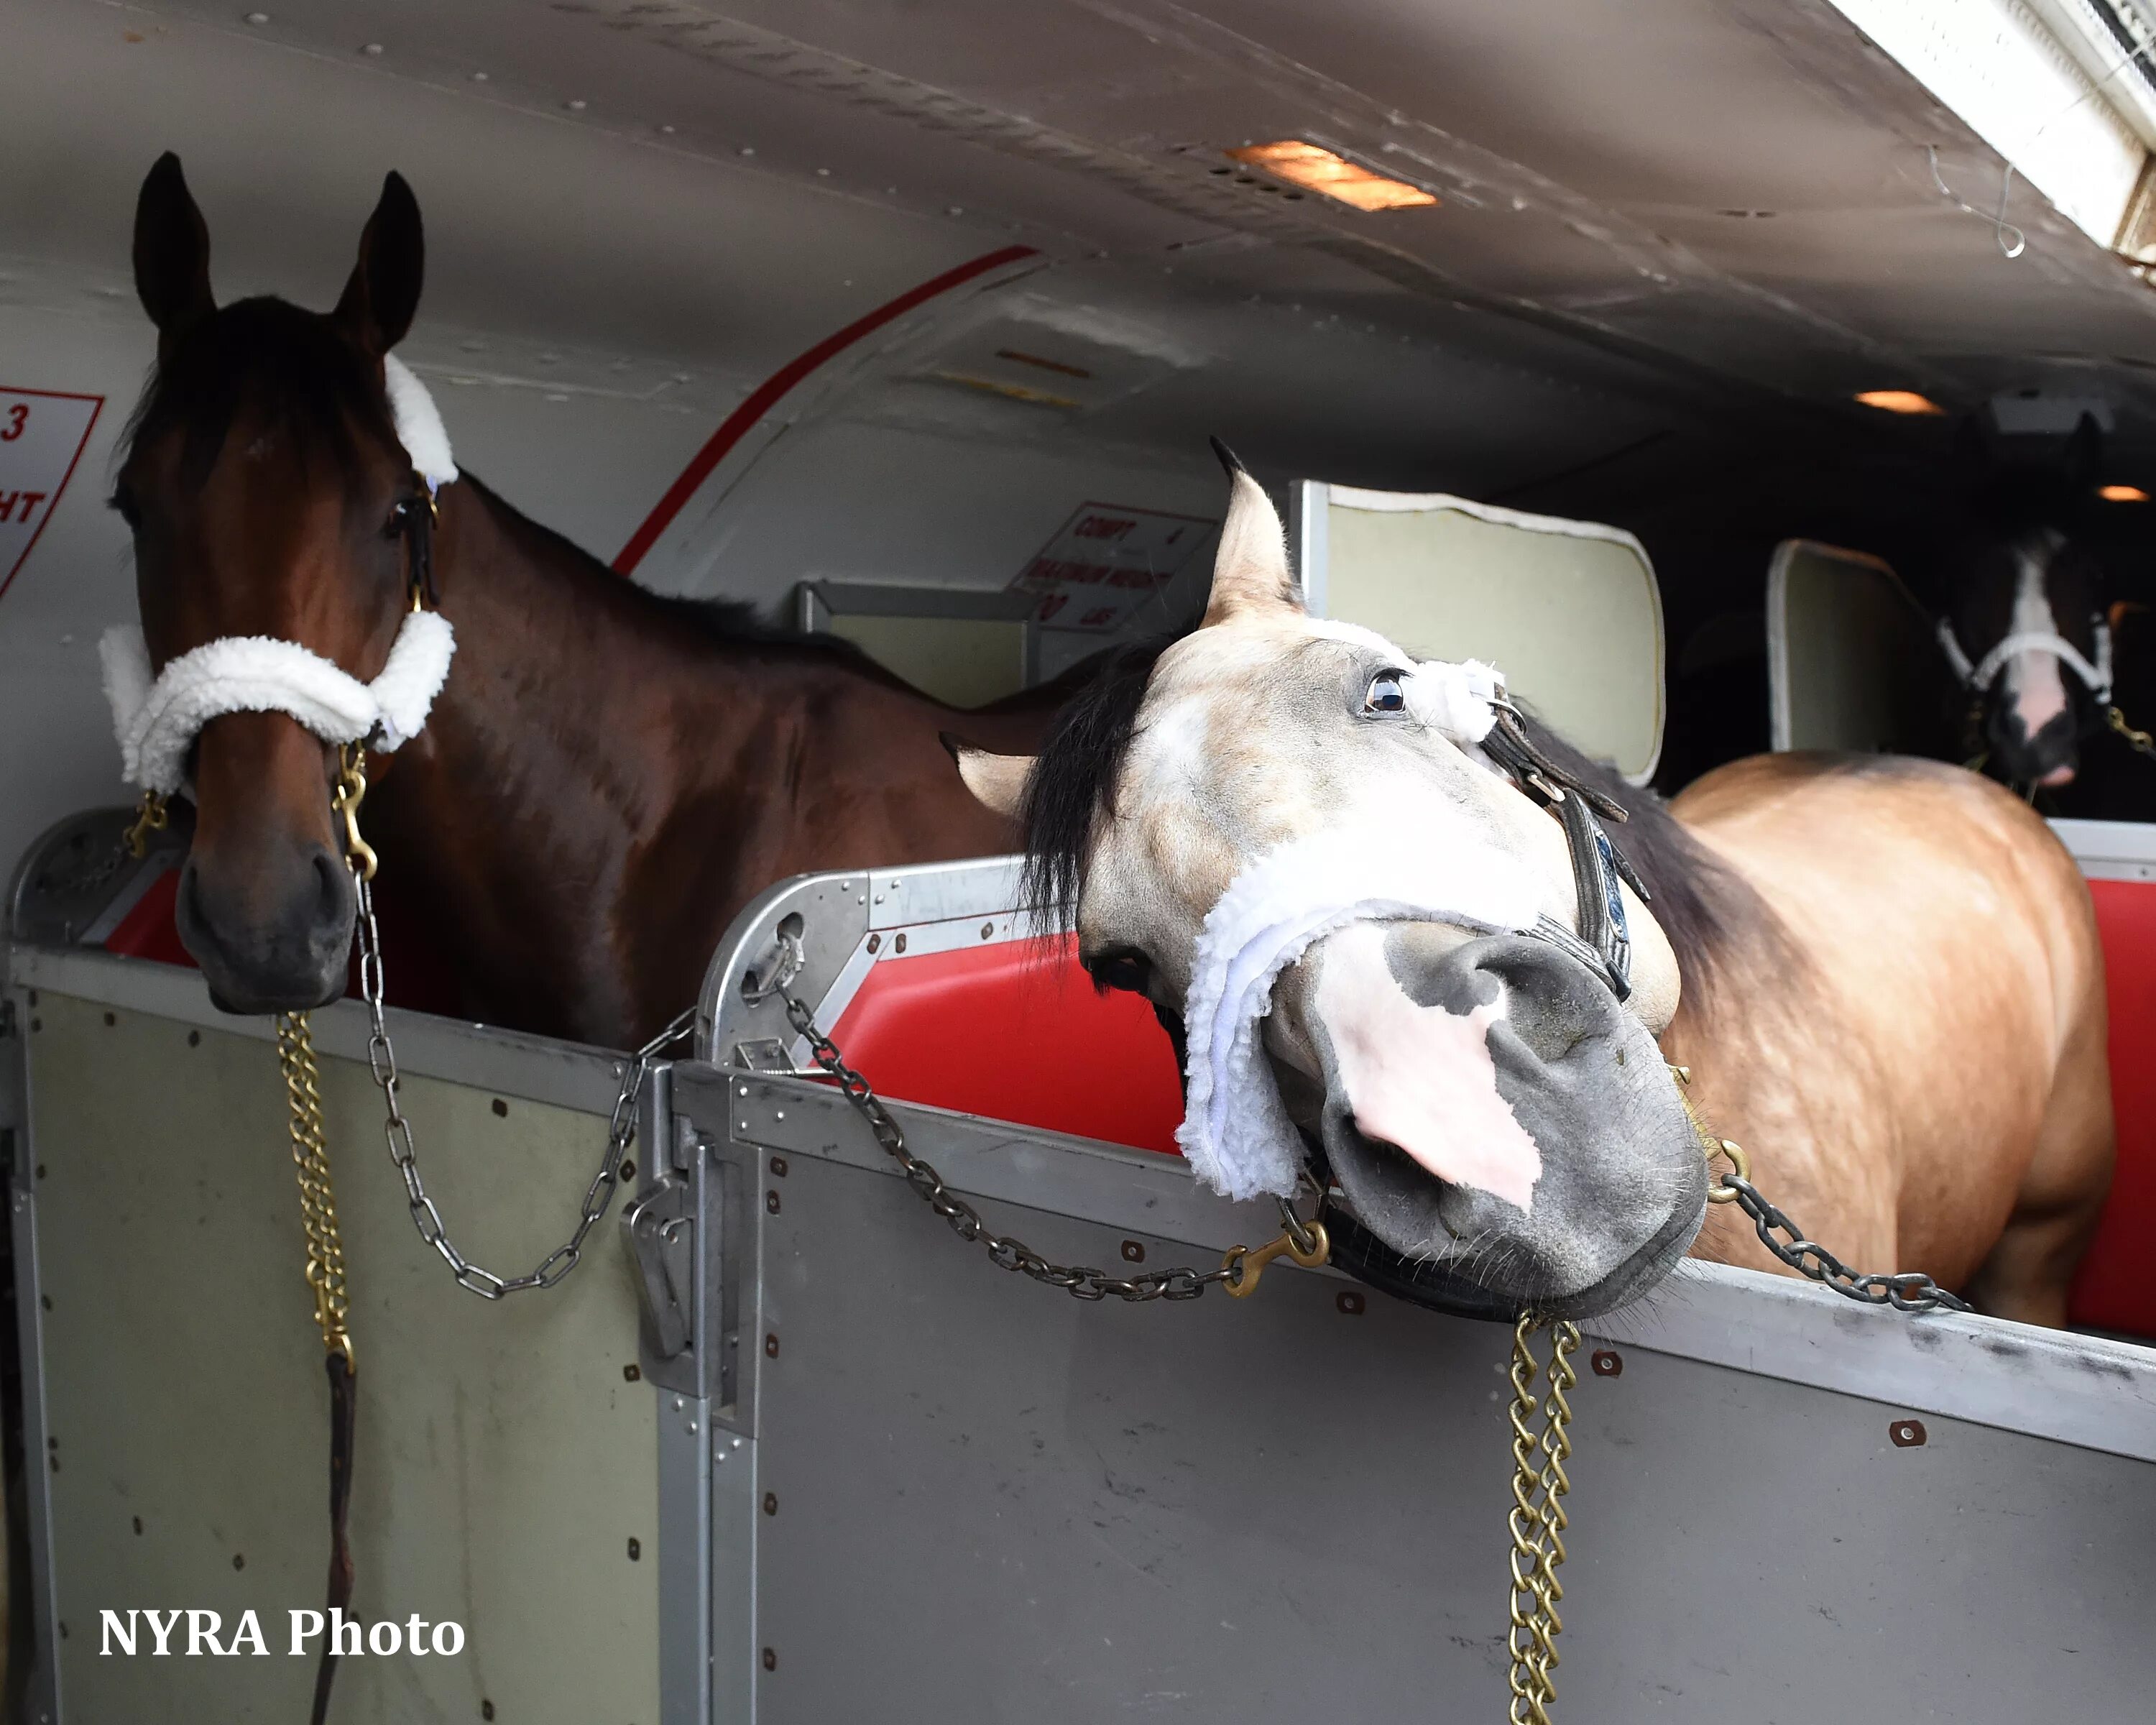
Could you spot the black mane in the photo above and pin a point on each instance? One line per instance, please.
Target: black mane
(1709, 914)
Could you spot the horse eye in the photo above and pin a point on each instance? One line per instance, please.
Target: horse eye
(1386, 694)
(1127, 970)
(400, 513)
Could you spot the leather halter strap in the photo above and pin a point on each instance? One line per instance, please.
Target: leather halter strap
(1604, 940)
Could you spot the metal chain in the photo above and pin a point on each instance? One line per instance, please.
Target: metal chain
(1079, 1282)
(1536, 1519)
(295, 1053)
(2140, 741)
(397, 1131)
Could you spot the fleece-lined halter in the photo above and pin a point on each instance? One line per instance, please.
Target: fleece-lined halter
(1236, 1133)
(157, 719)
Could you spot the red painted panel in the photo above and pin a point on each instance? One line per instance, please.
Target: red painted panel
(2116, 1287)
(1016, 1031)
(146, 932)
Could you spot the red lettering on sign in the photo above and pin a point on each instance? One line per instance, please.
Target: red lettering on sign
(1101, 527)
(1050, 605)
(1097, 618)
(18, 416)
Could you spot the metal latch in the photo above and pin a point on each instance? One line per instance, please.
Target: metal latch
(661, 1226)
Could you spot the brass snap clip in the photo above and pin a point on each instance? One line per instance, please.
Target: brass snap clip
(1244, 1266)
(1740, 1165)
(349, 792)
(152, 817)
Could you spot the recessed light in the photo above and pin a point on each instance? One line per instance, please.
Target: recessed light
(2122, 494)
(1899, 400)
(1317, 169)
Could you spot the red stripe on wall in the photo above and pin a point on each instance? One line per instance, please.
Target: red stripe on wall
(775, 387)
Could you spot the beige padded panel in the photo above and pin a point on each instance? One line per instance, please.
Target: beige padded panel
(961, 661)
(1849, 654)
(1570, 613)
(504, 1463)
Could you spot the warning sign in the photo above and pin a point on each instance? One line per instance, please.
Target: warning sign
(1105, 561)
(41, 436)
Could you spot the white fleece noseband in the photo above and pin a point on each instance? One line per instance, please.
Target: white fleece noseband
(1235, 1132)
(157, 720)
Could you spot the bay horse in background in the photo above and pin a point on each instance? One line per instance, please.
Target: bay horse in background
(2041, 626)
(608, 776)
(1883, 973)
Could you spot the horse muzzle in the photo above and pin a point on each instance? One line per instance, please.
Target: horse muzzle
(274, 937)
(1493, 1114)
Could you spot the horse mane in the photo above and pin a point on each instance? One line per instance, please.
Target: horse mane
(1711, 917)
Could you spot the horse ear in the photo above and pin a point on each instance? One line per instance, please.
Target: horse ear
(172, 252)
(1249, 571)
(2085, 454)
(998, 781)
(384, 290)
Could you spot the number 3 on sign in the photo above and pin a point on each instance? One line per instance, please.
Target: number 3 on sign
(43, 435)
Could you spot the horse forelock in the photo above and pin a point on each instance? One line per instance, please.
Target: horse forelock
(285, 366)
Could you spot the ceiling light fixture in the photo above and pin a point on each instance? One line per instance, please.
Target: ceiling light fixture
(1319, 170)
(2122, 494)
(1899, 400)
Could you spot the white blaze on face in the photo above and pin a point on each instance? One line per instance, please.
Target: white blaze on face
(1420, 1078)
(2033, 682)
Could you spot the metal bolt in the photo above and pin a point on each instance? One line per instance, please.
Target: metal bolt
(1134, 1252)
(1349, 1303)
(239, 1561)
(692, 1427)
(737, 1443)
(986, 929)
(632, 1371)
(770, 1660)
(194, 1038)
(876, 942)
(679, 1404)
(898, 945)
(635, 1550)
(771, 1346)
(1607, 1362)
(778, 1165)
(628, 1170)
(771, 1503)
(771, 1202)
(1908, 1433)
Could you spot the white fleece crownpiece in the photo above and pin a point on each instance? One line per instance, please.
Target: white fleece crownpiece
(156, 721)
(418, 425)
(1235, 1131)
(1455, 699)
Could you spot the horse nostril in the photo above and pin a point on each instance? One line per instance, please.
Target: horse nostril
(334, 883)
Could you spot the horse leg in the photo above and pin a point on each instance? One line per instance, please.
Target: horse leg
(2028, 1273)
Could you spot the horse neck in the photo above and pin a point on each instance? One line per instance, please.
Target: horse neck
(545, 765)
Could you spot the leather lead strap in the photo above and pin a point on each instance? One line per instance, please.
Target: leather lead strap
(344, 1405)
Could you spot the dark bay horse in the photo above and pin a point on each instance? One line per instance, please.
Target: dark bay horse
(607, 777)
(1883, 973)
(2040, 628)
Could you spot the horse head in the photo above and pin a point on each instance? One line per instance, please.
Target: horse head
(268, 498)
(1492, 1104)
(2025, 630)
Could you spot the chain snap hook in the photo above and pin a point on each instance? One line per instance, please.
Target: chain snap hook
(1720, 1192)
(152, 817)
(349, 792)
(1244, 1266)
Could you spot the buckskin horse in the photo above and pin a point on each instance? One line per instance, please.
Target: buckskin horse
(607, 776)
(2055, 664)
(1405, 952)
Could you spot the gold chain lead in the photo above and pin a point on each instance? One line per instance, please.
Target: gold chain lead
(1536, 1519)
(295, 1053)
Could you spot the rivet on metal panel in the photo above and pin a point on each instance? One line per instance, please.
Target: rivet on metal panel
(692, 1427)
(680, 1404)
(46, 1300)
(194, 1038)
(41, 1171)
(771, 1346)
(1134, 1252)
(111, 1020)
(770, 1660)
(1607, 1362)
(742, 1090)
(632, 1371)
(485, 1708)
(771, 1202)
(778, 1165)
(986, 929)
(138, 1525)
(898, 945)
(501, 1108)
(628, 1170)
(238, 1560)
(1908, 1433)
(875, 943)
(635, 1550)
(771, 1503)
(1349, 1303)
(737, 1443)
